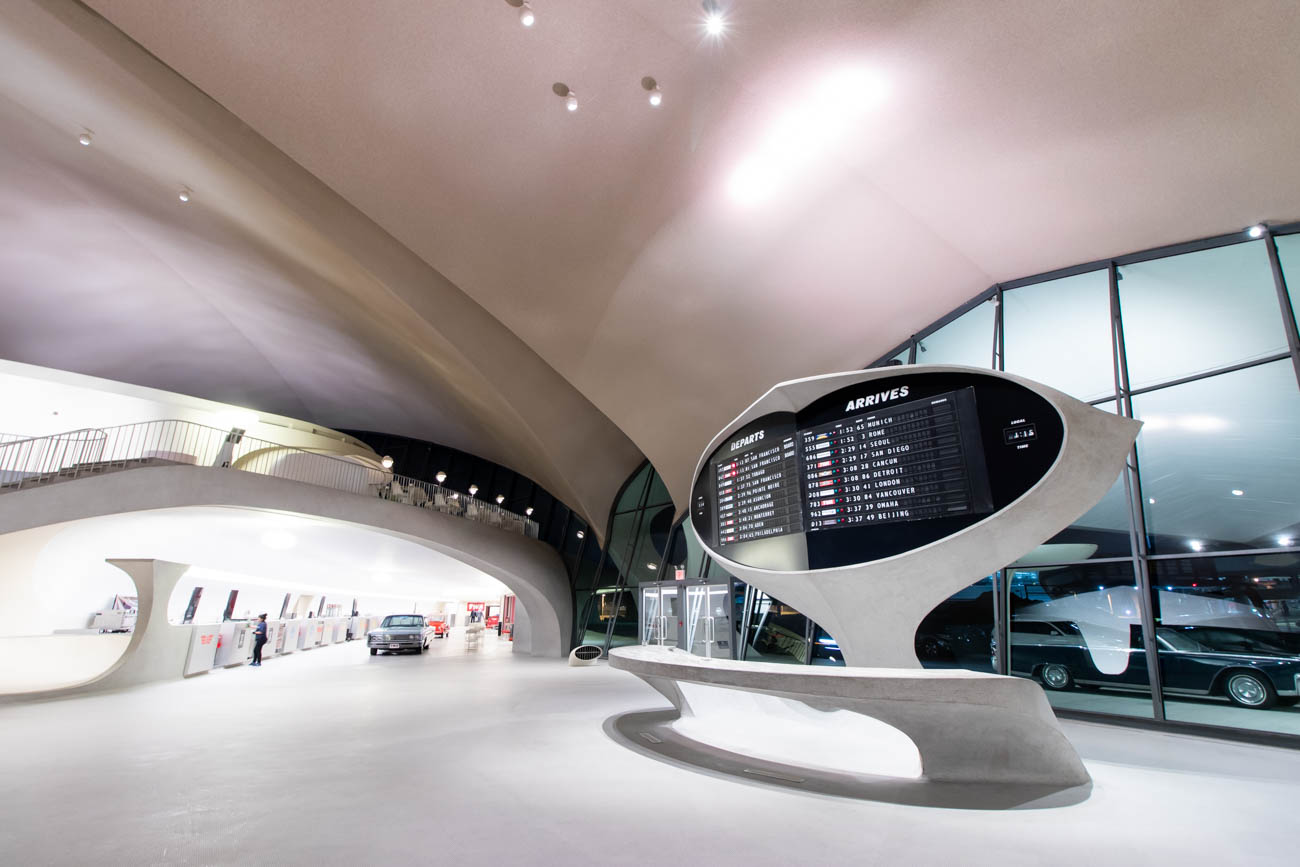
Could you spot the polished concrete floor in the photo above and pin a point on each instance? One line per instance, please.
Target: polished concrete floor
(335, 757)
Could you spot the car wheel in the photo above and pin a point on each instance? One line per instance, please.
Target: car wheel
(374, 651)
(1056, 676)
(420, 649)
(1248, 689)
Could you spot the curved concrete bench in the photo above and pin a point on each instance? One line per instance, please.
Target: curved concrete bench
(991, 741)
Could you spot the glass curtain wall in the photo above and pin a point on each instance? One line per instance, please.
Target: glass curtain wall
(1177, 597)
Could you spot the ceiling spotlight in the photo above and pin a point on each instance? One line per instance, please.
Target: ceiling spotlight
(1196, 545)
(581, 535)
(473, 489)
(85, 138)
(387, 462)
(1285, 541)
(501, 498)
(1254, 231)
(651, 566)
(1151, 500)
(651, 86)
(441, 477)
(714, 21)
(571, 101)
(528, 511)
(1237, 492)
(184, 194)
(526, 16)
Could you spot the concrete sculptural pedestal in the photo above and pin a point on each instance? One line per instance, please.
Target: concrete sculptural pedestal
(1031, 459)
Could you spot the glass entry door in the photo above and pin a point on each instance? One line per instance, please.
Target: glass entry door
(660, 614)
(708, 620)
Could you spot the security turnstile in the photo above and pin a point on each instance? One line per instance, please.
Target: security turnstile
(692, 615)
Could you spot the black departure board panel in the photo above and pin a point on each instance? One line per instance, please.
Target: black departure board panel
(913, 461)
(758, 491)
(873, 469)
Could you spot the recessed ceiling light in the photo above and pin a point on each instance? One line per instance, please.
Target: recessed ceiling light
(184, 194)
(1256, 230)
(714, 21)
(441, 477)
(581, 535)
(1285, 541)
(656, 96)
(528, 511)
(85, 138)
(1237, 492)
(1151, 500)
(473, 489)
(387, 461)
(526, 16)
(571, 101)
(501, 498)
(651, 566)
(1196, 545)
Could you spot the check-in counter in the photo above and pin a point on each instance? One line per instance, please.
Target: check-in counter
(338, 630)
(274, 638)
(203, 649)
(312, 634)
(235, 645)
(288, 641)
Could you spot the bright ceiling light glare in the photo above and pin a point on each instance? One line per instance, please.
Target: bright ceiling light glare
(501, 498)
(656, 97)
(185, 194)
(473, 490)
(1151, 500)
(652, 567)
(581, 535)
(526, 16)
(1196, 545)
(1285, 541)
(571, 101)
(387, 461)
(1237, 492)
(714, 21)
(85, 138)
(441, 477)
(1256, 231)
(279, 540)
(528, 511)
(828, 113)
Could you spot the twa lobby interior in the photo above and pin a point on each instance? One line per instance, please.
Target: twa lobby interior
(850, 432)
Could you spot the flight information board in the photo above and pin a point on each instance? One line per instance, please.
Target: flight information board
(887, 465)
(910, 462)
(758, 491)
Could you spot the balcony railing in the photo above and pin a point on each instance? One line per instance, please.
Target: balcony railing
(34, 461)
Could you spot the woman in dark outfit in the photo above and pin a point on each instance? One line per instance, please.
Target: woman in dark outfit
(259, 639)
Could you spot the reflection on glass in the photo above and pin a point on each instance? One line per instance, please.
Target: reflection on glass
(777, 633)
(966, 340)
(1077, 631)
(959, 632)
(1228, 640)
(1102, 531)
(902, 357)
(1288, 254)
(1219, 459)
(1200, 311)
(618, 611)
(631, 497)
(1058, 333)
(825, 651)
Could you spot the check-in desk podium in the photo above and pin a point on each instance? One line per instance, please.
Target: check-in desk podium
(864, 500)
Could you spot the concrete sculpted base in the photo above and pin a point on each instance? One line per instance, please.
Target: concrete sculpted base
(937, 738)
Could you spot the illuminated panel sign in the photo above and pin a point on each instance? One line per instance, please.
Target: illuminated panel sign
(909, 462)
(757, 484)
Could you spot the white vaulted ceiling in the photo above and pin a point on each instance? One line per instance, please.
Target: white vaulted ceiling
(898, 157)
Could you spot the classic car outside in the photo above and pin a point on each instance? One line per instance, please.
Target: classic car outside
(400, 632)
(1250, 667)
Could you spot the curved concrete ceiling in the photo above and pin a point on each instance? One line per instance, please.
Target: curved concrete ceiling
(1005, 141)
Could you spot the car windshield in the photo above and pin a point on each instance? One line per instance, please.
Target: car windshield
(402, 620)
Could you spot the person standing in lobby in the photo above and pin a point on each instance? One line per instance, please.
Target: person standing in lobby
(259, 639)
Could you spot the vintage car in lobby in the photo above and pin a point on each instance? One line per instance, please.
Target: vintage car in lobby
(400, 632)
(440, 628)
(1249, 667)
